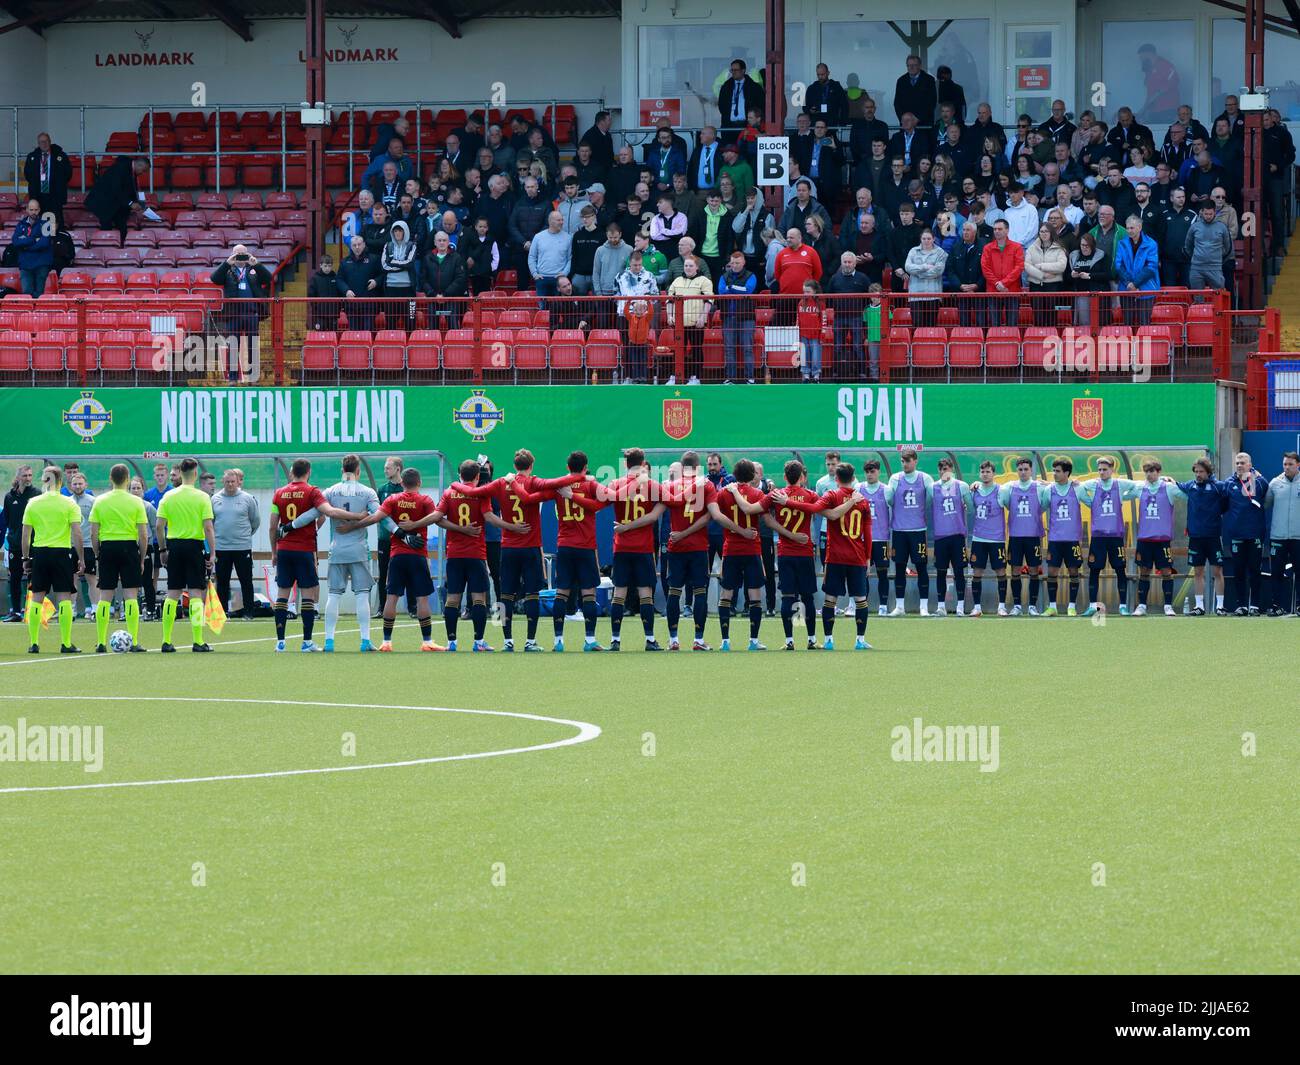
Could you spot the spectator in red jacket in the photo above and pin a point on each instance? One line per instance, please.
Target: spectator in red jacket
(795, 264)
(1002, 262)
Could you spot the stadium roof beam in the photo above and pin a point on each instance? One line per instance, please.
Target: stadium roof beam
(20, 10)
(47, 18)
(429, 11)
(1238, 9)
(232, 18)
(1293, 9)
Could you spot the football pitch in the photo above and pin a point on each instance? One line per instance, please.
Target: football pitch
(1129, 806)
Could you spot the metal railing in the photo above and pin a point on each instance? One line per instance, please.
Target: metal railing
(154, 336)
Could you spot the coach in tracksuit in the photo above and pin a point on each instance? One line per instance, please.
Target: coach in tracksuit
(1244, 524)
(1283, 499)
(235, 517)
(1205, 502)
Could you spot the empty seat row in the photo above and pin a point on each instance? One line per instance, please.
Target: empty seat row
(971, 347)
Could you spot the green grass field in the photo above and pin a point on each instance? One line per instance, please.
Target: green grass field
(673, 840)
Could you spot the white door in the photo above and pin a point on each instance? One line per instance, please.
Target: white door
(1034, 71)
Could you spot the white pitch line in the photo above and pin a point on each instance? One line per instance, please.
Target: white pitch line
(586, 733)
(55, 656)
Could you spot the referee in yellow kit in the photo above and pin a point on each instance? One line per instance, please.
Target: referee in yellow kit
(51, 540)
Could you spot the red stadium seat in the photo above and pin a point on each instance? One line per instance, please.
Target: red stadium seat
(423, 349)
(602, 349)
(531, 349)
(318, 350)
(388, 352)
(566, 349)
(458, 349)
(1002, 347)
(1200, 325)
(15, 352)
(48, 352)
(929, 346)
(354, 350)
(966, 347)
(1156, 341)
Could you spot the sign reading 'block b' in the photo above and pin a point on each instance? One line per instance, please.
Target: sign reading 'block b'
(773, 160)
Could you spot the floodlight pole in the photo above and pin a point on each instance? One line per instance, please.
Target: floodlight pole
(774, 88)
(1250, 290)
(315, 190)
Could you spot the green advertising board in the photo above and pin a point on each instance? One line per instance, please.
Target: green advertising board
(552, 420)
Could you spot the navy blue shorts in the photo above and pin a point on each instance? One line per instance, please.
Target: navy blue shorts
(984, 555)
(466, 575)
(1026, 551)
(909, 546)
(688, 569)
(950, 551)
(408, 575)
(575, 567)
(797, 575)
(1205, 551)
(521, 572)
(633, 569)
(1154, 554)
(293, 567)
(880, 554)
(843, 580)
(1064, 553)
(742, 569)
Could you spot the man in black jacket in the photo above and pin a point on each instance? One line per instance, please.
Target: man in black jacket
(14, 504)
(847, 289)
(905, 236)
(963, 273)
(600, 139)
(1057, 127)
(826, 99)
(358, 278)
(910, 143)
(739, 94)
(949, 92)
(825, 162)
(375, 232)
(984, 126)
(387, 187)
(916, 92)
(1129, 133)
(48, 172)
(116, 194)
(245, 288)
(1177, 220)
(865, 129)
(443, 276)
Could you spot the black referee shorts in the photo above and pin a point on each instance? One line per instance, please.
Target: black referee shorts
(186, 570)
(119, 563)
(53, 570)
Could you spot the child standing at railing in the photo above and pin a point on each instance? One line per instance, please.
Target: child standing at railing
(810, 330)
(872, 316)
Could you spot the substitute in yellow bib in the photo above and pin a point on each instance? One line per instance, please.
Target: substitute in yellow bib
(51, 543)
(119, 535)
(184, 522)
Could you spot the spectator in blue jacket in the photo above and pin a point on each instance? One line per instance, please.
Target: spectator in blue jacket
(35, 250)
(737, 315)
(664, 159)
(1206, 500)
(396, 155)
(1137, 269)
(1245, 526)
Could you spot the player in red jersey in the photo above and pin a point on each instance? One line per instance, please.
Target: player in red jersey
(794, 548)
(742, 553)
(293, 551)
(408, 563)
(577, 568)
(635, 513)
(848, 548)
(466, 517)
(692, 501)
(520, 496)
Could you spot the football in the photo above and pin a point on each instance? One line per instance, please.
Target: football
(120, 641)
